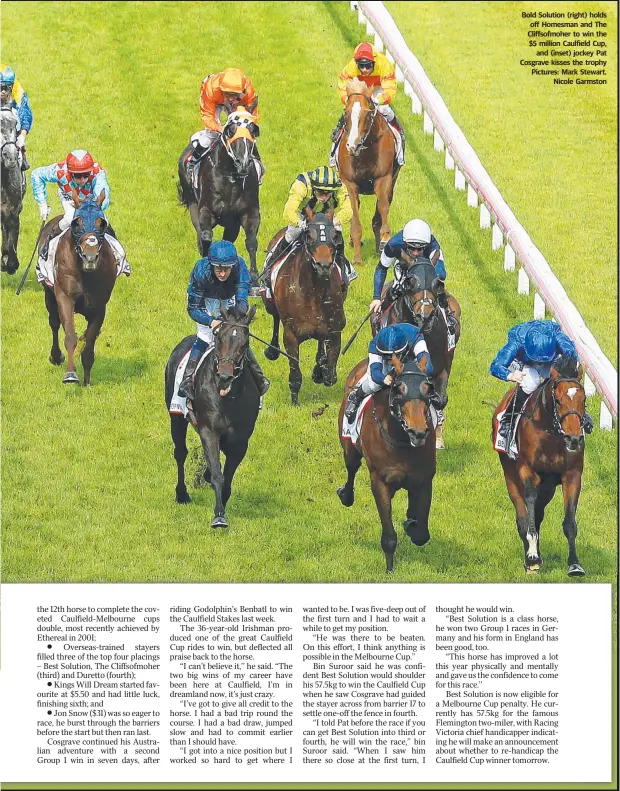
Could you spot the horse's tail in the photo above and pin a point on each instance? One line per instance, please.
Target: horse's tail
(185, 190)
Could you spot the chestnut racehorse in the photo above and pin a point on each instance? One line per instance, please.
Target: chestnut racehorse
(367, 163)
(397, 439)
(551, 443)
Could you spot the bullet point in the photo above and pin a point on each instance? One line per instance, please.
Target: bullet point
(49, 683)
(50, 645)
(49, 712)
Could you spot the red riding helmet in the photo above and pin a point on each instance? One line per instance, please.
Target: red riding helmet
(364, 51)
(80, 161)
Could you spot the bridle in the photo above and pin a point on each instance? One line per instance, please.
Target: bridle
(237, 363)
(556, 419)
(325, 236)
(425, 301)
(395, 407)
(374, 111)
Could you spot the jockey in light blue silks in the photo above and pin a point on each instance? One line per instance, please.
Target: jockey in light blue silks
(13, 96)
(527, 359)
(220, 279)
(402, 340)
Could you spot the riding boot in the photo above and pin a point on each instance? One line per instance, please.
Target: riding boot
(51, 233)
(397, 125)
(257, 372)
(507, 429)
(443, 302)
(348, 272)
(25, 163)
(195, 154)
(336, 133)
(186, 388)
(588, 422)
(354, 399)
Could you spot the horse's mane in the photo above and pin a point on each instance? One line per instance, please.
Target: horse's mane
(356, 86)
(566, 366)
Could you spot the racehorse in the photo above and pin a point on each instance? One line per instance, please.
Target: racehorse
(84, 279)
(551, 444)
(367, 163)
(308, 298)
(397, 439)
(13, 190)
(415, 302)
(226, 407)
(227, 188)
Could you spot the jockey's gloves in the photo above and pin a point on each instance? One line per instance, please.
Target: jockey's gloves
(44, 211)
(21, 140)
(337, 224)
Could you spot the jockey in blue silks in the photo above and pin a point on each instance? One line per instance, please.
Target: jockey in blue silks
(13, 96)
(416, 240)
(220, 279)
(527, 359)
(401, 340)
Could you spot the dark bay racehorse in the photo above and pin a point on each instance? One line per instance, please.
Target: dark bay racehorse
(84, 280)
(227, 192)
(551, 444)
(415, 302)
(226, 407)
(397, 440)
(367, 163)
(309, 301)
(13, 190)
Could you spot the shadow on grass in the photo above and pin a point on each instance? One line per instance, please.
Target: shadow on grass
(110, 370)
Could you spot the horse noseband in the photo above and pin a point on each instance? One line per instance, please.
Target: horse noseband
(557, 420)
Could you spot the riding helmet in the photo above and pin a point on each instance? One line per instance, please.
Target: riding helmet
(324, 179)
(417, 233)
(80, 161)
(232, 81)
(364, 51)
(539, 344)
(222, 254)
(7, 76)
(391, 340)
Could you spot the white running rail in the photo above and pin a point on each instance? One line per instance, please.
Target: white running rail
(470, 175)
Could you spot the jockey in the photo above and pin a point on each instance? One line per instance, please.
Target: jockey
(372, 68)
(527, 359)
(220, 279)
(321, 190)
(416, 240)
(223, 92)
(401, 340)
(78, 171)
(12, 95)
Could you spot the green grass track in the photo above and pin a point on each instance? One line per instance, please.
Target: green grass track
(88, 475)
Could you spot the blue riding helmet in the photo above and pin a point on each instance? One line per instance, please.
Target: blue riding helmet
(7, 76)
(391, 340)
(222, 254)
(540, 345)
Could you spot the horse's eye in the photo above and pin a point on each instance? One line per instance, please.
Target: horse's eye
(254, 130)
(229, 131)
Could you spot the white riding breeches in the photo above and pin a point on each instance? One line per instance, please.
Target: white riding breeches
(387, 112)
(534, 376)
(368, 385)
(293, 232)
(205, 334)
(69, 210)
(206, 137)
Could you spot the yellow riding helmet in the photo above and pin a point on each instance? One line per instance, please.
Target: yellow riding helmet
(324, 179)
(232, 81)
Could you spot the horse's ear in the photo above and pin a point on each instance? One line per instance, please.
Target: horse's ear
(249, 316)
(580, 371)
(413, 282)
(254, 130)
(224, 312)
(368, 90)
(330, 215)
(309, 213)
(435, 285)
(101, 198)
(554, 373)
(77, 201)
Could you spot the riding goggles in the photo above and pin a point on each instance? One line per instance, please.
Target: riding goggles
(366, 64)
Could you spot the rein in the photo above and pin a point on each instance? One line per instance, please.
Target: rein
(556, 420)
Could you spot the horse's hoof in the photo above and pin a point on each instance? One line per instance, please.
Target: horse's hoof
(12, 269)
(183, 499)
(575, 570)
(295, 399)
(271, 353)
(219, 521)
(346, 498)
(418, 536)
(70, 378)
(317, 375)
(58, 361)
(533, 568)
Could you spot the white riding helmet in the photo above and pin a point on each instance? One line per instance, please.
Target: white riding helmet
(417, 233)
